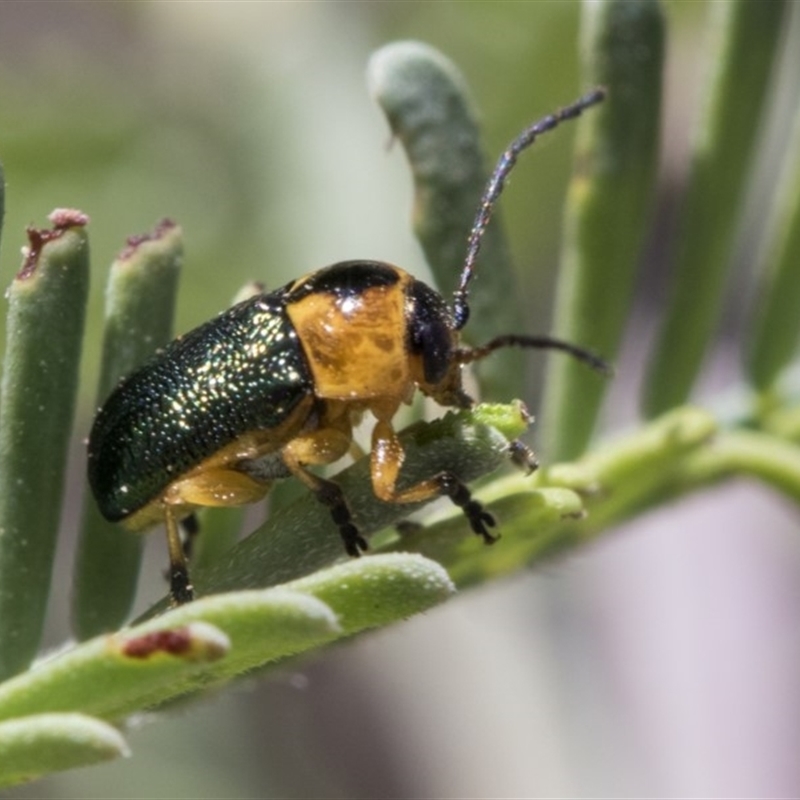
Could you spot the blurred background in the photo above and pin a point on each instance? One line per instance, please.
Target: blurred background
(661, 661)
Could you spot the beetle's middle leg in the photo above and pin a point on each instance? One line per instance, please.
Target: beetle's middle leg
(324, 446)
(386, 460)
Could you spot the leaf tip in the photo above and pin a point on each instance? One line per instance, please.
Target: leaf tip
(63, 219)
(162, 229)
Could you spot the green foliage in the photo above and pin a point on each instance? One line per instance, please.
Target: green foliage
(745, 40)
(607, 211)
(37, 397)
(279, 592)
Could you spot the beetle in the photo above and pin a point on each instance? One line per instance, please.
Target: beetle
(276, 383)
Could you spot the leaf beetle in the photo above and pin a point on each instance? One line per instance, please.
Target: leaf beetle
(276, 383)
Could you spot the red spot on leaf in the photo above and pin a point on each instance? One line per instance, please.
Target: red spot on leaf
(134, 242)
(176, 642)
(63, 219)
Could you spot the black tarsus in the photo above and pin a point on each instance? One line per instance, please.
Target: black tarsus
(330, 494)
(180, 586)
(480, 520)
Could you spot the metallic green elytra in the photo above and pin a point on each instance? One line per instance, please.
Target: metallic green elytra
(277, 383)
(241, 371)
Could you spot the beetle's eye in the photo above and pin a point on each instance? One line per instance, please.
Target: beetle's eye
(436, 351)
(430, 332)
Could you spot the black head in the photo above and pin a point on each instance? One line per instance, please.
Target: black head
(430, 331)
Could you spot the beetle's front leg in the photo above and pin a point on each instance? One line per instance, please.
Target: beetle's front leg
(523, 457)
(386, 460)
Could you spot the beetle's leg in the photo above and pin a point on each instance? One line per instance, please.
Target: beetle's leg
(216, 486)
(523, 457)
(386, 459)
(191, 528)
(324, 446)
(180, 587)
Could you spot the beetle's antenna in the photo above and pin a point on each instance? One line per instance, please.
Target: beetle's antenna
(494, 187)
(465, 355)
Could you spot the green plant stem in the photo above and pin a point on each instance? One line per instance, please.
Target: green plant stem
(607, 209)
(559, 508)
(427, 104)
(113, 675)
(776, 324)
(742, 54)
(749, 453)
(140, 300)
(218, 637)
(47, 300)
(783, 422)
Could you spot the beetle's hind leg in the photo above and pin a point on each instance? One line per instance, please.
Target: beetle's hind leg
(180, 586)
(190, 526)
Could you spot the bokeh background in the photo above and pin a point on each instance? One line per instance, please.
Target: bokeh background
(661, 661)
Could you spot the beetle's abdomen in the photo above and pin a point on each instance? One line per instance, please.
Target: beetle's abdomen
(242, 372)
